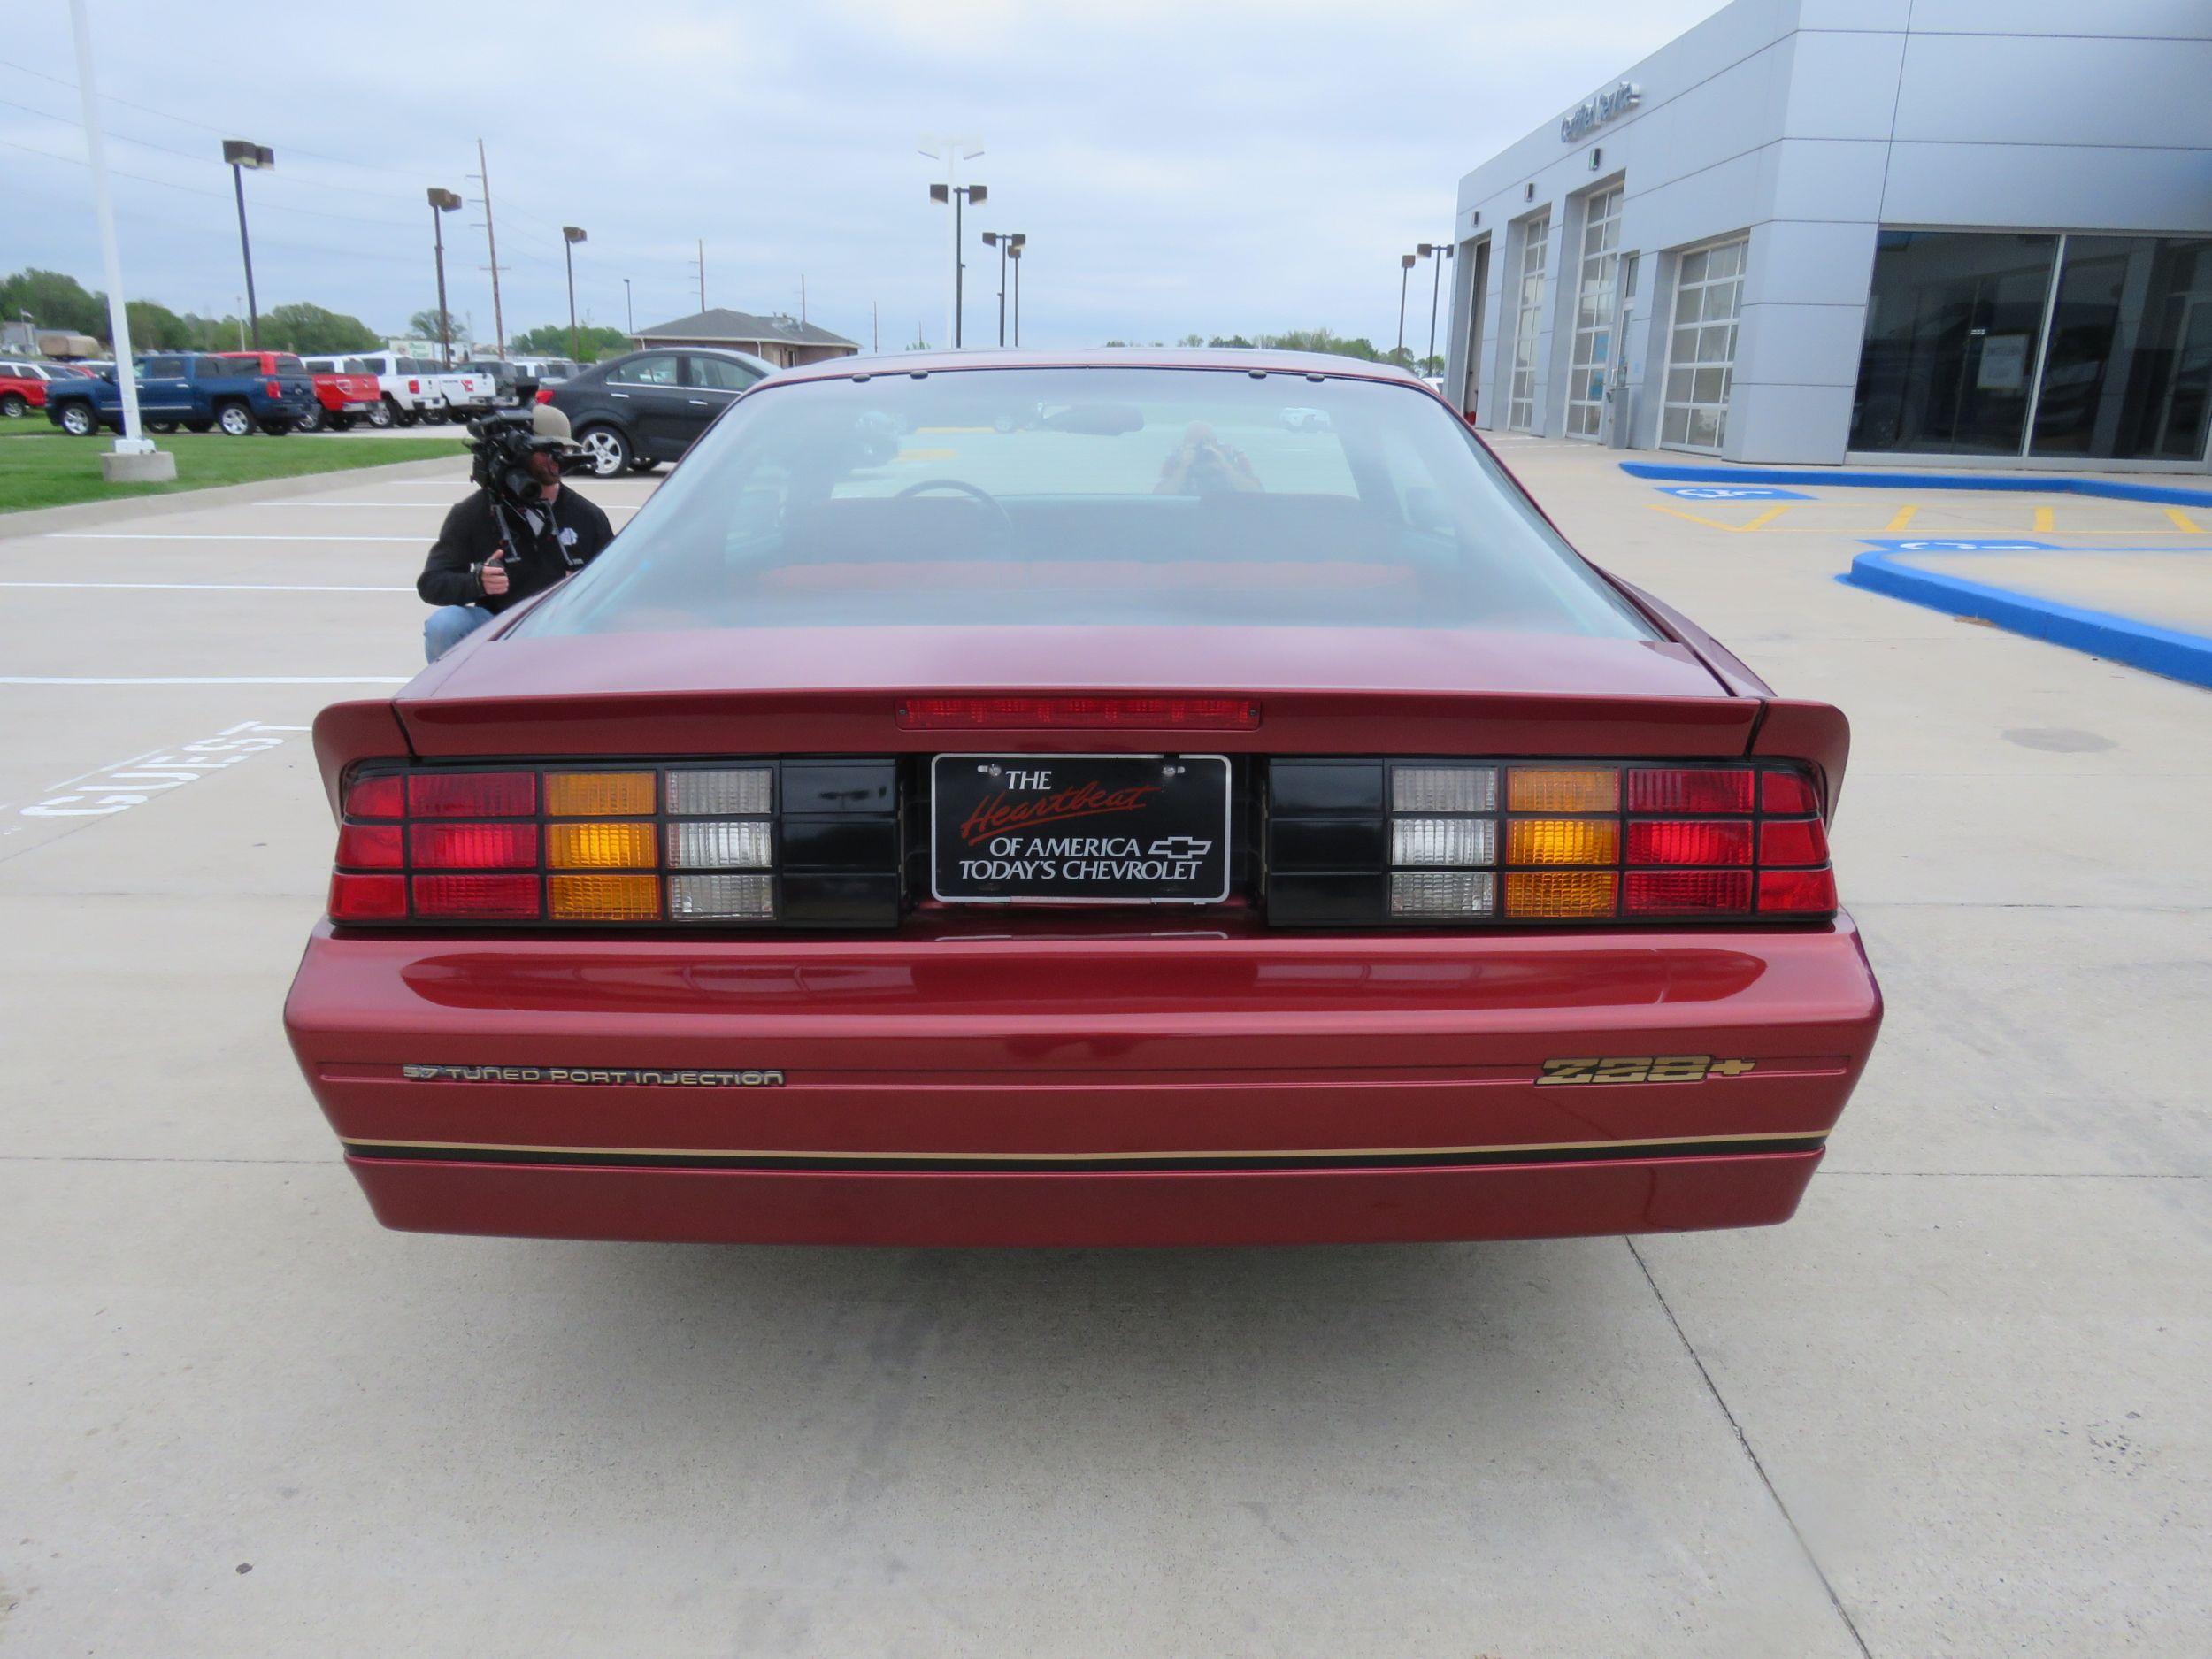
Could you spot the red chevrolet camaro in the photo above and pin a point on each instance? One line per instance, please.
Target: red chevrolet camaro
(1116, 798)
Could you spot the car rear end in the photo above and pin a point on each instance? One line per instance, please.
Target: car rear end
(349, 396)
(938, 933)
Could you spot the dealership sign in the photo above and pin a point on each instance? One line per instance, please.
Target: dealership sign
(1594, 113)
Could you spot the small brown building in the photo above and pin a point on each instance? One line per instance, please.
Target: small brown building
(783, 341)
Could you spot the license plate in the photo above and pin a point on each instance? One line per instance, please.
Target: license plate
(1080, 829)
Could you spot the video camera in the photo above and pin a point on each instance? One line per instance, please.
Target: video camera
(503, 444)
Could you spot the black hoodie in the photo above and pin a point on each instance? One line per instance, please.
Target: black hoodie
(470, 536)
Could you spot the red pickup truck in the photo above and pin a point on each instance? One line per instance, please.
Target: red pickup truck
(341, 399)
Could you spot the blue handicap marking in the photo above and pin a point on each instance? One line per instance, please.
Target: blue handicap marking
(1732, 492)
(1945, 545)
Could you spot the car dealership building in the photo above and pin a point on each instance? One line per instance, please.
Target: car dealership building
(1813, 231)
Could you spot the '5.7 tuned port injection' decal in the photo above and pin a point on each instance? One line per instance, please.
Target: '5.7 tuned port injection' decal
(601, 1077)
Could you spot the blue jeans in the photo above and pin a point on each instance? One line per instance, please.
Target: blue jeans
(448, 625)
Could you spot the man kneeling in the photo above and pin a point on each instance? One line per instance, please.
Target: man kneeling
(488, 557)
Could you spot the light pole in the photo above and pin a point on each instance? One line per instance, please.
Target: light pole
(570, 236)
(240, 156)
(1405, 268)
(952, 152)
(1008, 243)
(1439, 251)
(441, 203)
(959, 195)
(1015, 254)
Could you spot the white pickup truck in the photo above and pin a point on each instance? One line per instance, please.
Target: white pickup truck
(418, 390)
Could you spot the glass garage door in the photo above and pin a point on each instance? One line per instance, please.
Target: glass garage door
(1702, 347)
(1520, 409)
(1594, 315)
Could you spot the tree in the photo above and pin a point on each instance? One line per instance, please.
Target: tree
(552, 340)
(55, 301)
(1192, 339)
(1238, 341)
(424, 325)
(156, 328)
(301, 326)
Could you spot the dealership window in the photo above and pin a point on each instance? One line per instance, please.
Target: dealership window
(1702, 346)
(1520, 410)
(2072, 346)
(1594, 313)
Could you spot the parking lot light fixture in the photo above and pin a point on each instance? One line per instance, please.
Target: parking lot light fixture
(242, 156)
(570, 236)
(441, 203)
(1008, 244)
(952, 152)
(1439, 251)
(1405, 266)
(1015, 254)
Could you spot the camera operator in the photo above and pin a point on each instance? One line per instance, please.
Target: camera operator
(518, 533)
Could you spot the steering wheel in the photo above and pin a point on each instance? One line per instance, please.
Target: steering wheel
(961, 486)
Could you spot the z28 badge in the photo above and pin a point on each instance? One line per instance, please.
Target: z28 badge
(1642, 1067)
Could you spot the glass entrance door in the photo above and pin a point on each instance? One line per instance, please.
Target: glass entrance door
(1528, 317)
(1593, 314)
(1702, 346)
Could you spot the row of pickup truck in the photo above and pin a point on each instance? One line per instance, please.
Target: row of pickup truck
(241, 392)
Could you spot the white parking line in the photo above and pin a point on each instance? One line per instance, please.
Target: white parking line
(214, 679)
(228, 588)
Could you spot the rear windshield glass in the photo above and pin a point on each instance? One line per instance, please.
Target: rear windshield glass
(1111, 495)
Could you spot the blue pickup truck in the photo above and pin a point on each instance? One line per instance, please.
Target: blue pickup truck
(198, 391)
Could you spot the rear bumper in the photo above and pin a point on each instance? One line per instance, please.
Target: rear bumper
(1093, 1088)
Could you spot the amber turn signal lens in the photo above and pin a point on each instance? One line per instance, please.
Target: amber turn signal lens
(600, 846)
(1562, 841)
(604, 898)
(1560, 893)
(1563, 789)
(599, 794)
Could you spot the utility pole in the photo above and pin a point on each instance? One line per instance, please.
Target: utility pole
(499, 318)
(875, 328)
(702, 273)
(629, 316)
(570, 236)
(952, 152)
(801, 299)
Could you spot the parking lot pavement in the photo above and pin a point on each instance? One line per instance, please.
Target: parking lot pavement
(1955, 1406)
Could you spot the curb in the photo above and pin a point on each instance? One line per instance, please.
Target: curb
(2168, 651)
(1858, 478)
(35, 520)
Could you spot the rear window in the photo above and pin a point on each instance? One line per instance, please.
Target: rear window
(1082, 496)
(286, 364)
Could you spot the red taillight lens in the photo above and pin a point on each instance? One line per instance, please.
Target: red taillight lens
(1686, 891)
(1787, 792)
(1792, 842)
(545, 395)
(376, 797)
(367, 898)
(1688, 789)
(1203, 714)
(1802, 892)
(473, 846)
(472, 794)
(414, 386)
(510, 897)
(1689, 840)
(369, 847)
(276, 390)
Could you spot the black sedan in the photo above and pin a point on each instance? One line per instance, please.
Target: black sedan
(632, 412)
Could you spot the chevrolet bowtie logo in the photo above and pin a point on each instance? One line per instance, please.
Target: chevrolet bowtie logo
(1180, 846)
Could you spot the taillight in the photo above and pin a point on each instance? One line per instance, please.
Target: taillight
(802, 843)
(545, 395)
(1353, 842)
(1187, 714)
(276, 390)
(414, 386)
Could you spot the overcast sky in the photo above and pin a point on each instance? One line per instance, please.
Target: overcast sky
(1179, 168)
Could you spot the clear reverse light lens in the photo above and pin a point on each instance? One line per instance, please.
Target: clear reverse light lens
(1444, 789)
(719, 846)
(753, 896)
(1455, 893)
(1443, 840)
(740, 791)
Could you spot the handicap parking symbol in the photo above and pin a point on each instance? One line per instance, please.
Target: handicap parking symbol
(1952, 546)
(1732, 492)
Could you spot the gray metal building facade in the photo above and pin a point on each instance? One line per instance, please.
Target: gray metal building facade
(1814, 231)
